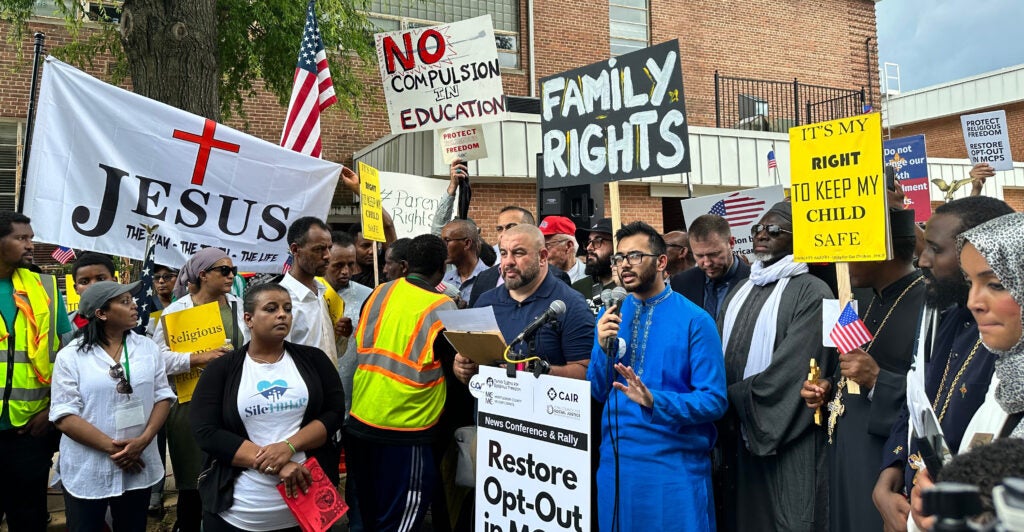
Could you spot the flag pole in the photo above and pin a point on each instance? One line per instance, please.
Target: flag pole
(30, 120)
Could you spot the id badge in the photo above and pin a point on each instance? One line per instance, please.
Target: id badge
(129, 415)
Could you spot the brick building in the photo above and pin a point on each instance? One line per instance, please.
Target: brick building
(822, 44)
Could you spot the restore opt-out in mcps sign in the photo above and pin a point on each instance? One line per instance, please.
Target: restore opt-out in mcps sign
(622, 118)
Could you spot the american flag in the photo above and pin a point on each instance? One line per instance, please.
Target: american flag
(287, 265)
(772, 163)
(312, 93)
(738, 209)
(145, 295)
(63, 255)
(849, 332)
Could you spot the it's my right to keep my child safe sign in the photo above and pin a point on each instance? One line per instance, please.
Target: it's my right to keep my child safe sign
(838, 191)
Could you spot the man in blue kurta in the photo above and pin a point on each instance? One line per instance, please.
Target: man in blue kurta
(663, 386)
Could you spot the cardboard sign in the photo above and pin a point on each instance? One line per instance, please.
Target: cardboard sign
(188, 331)
(369, 203)
(622, 118)
(987, 139)
(907, 155)
(412, 201)
(541, 421)
(840, 213)
(441, 76)
(466, 143)
(71, 297)
(742, 209)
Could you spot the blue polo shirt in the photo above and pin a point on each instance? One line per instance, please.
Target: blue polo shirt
(575, 335)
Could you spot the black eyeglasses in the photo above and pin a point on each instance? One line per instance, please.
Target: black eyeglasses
(164, 277)
(597, 241)
(773, 230)
(224, 270)
(633, 257)
(505, 227)
(117, 372)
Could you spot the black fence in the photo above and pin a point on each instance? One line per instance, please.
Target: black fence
(763, 105)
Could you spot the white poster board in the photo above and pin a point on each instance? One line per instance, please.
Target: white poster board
(533, 452)
(742, 209)
(411, 201)
(987, 139)
(441, 76)
(464, 142)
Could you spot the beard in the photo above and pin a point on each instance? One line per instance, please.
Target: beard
(525, 277)
(942, 293)
(645, 280)
(762, 257)
(597, 268)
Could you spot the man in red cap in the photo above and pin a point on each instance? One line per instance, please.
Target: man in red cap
(560, 240)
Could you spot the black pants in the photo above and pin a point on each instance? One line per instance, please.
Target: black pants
(127, 510)
(214, 523)
(25, 461)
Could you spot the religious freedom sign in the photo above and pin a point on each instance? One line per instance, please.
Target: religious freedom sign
(441, 76)
(742, 209)
(532, 453)
(618, 119)
(840, 212)
(987, 139)
(105, 161)
(908, 157)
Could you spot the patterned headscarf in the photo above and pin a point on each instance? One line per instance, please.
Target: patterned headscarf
(196, 264)
(1001, 242)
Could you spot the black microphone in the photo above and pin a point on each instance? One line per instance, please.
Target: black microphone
(553, 312)
(614, 305)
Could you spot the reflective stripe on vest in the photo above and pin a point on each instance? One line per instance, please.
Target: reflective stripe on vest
(34, 348)
(398, 384)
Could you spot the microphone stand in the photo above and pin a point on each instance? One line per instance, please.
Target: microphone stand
(539, 366)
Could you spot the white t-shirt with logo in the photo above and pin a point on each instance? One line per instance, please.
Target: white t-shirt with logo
(272, 402)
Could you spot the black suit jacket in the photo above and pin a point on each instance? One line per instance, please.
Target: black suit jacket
(488, 279)
(690, 283)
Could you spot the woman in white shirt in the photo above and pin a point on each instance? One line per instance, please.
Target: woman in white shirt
(109, 396)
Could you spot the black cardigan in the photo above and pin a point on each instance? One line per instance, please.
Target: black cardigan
(219, 430)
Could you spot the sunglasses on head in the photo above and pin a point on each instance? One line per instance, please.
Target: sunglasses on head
(224, 270)
(773, 230)
(117, 373)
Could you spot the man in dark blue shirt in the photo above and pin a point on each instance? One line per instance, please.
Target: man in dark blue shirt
(528, 291)
(718, 269)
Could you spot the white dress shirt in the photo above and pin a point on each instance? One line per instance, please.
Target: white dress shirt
(311, 319)
(354, 296)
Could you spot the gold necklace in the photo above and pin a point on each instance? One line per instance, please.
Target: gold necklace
(952, 385)
(258, 361)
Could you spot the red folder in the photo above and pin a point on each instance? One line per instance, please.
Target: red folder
(317, 509)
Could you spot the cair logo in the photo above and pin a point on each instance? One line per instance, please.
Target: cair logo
(563, 396)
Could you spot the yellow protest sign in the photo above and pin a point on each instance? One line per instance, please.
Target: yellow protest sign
(840, 212)
(187, 331)
(71, 298)
(370, 203)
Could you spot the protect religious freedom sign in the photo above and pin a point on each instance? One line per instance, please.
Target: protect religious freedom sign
(106, 161)
(532, 453)
(622, 118)
(441, 76)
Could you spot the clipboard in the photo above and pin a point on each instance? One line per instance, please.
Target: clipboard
(483, 347)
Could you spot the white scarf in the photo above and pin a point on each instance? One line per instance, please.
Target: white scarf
(762, 344)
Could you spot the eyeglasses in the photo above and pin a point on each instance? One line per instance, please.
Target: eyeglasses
(117, 372)
(505, 227)
(165, 277)
(555, 242)
(597, 241)
(633, 257)
(224, 270)
(773, 230)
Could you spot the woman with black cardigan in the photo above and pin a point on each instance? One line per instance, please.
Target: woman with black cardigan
(258, 413)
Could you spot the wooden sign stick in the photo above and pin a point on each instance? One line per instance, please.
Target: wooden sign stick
(613, 200)
(845, 296)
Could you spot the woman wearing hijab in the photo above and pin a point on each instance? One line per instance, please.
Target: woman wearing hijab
(260, 412)
(205, 278)
(109, 397)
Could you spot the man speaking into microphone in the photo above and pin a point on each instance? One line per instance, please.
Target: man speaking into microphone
(528, 292)
(657, 366)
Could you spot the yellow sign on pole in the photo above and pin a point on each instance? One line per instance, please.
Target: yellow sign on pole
(71, 298)
(188, 331)
(370, 203)
(838, 191)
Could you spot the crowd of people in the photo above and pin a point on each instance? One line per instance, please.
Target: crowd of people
(704, 415)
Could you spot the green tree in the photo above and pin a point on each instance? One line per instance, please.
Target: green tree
(207, 56)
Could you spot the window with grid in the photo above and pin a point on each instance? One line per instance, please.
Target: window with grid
(10, 144)
(393, 15)
(627, 26)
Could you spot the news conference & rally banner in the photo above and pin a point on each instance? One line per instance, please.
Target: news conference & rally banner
(532, 453)
(105, 161)
(441, 76)
(621, 118)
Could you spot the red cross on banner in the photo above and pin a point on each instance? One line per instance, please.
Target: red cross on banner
(206, 143)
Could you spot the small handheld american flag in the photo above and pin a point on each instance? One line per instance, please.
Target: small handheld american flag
(772, 163)
(63, 255)
(849, 332)
(312, 93)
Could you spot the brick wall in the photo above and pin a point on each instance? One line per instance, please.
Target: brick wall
(944, 136)
(1014, 197)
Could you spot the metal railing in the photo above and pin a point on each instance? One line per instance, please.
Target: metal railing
(764, 105)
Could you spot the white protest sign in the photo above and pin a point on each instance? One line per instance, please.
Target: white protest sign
(741, 209)
(412, 201)
(465, 142)
(987, 139)
(533, 452)
(105, 161)
(441, 76)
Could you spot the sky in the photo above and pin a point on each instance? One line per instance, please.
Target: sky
(936, 41)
